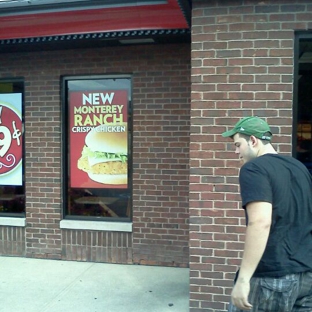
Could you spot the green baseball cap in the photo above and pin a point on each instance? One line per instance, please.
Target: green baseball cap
(251, 126)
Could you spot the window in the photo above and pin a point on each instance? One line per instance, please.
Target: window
(302, 136)
(97, 147)
(12, 182)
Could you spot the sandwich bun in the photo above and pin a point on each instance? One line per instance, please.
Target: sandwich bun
(114, 179)
(108, 142)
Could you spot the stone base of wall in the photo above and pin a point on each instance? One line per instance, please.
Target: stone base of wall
(93, 246)
(12, 241)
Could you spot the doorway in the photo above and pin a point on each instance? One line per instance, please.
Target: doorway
(302, 109)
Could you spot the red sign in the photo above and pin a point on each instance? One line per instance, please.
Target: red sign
(10, 139)
(98, 139)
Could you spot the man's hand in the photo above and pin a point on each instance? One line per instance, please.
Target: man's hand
(240, 295)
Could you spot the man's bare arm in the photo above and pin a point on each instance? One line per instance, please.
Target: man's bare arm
(257, 233)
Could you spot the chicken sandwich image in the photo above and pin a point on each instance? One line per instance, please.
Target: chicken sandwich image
(105, 154)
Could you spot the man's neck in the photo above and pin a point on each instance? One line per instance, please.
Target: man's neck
(266, 149)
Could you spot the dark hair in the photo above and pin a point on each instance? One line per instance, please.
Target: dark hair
(264, 142)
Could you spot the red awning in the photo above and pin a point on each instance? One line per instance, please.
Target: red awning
(107, 19)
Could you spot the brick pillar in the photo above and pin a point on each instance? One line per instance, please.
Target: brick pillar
(242, 64)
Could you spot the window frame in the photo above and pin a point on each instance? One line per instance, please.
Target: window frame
(16, 215)
(65, 167)
(298, 36)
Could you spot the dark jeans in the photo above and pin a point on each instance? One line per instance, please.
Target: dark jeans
(290, 293)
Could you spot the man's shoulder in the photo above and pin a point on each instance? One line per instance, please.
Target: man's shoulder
(271, 158)
(271, 163)
(268, 161)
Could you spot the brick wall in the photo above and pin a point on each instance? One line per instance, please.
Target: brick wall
(242, 64)
(161, 153)
(161, 106)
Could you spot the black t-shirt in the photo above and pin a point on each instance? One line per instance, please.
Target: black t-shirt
(286, 184)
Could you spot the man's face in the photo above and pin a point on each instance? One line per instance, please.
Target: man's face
(244, 148)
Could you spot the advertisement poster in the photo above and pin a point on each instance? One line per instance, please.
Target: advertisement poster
(11, 144)
(98, 151)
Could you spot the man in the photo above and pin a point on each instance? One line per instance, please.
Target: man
(276, 268)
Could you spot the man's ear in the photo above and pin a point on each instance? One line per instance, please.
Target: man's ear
(253, 140)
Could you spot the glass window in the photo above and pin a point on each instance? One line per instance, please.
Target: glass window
(12, 184)
(97, 140)
(303, 99)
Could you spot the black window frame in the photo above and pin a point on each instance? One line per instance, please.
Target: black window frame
(65, 149)
(298, 52)
(20, 87)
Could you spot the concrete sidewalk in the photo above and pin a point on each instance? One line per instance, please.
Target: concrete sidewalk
(35, 285)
